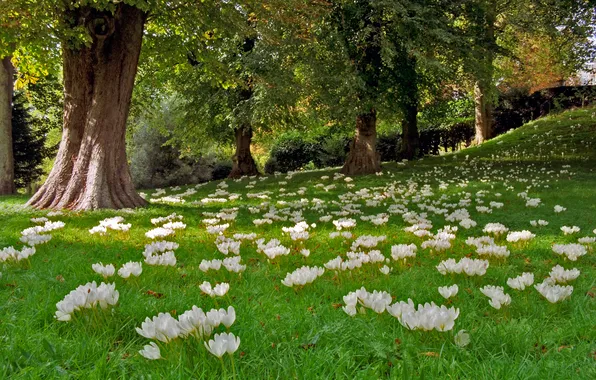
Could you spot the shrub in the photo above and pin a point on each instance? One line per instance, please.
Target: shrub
(291, 152)
(388, 146)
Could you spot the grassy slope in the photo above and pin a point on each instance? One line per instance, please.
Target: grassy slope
(287, 333)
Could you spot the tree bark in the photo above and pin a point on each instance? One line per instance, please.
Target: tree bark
(243, 163)
(363, 157)
(480, 114)
(410, 141)
(483, 116)
(6, 154)
(91, 170)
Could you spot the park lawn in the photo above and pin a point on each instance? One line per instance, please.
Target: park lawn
(303, 332)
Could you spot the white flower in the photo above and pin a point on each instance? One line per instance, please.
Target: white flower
(516, 236)
(223, 343)
(495, 228)
(162, 327)
(385, 269)
(402, 251)
(305, 252)
(159, 232)
(302, 276)
(562, 276)
(104, 270)
(553, 293)
(462, 338)
(497, 297)
(570, 230)
(130, 268)
(86, 296)
(559, 209)
(151, 351)
(448, 291)
(520, 282)
(571, 251)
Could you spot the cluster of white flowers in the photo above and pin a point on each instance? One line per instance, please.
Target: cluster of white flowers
(522, 281)
(104, 270)
(218, 290)
(33, 236)
(192, 323)
(159, 233)
(571, 251)
(562, 276)
(471, 267)
(165, 219)
(559, 209)
(448, 291)
(114, 224)
(86, 297)
(570, 230)
(227, 246)
(377, 301)
(493, 250)
(539, 222)
(344, 234)
(345, 223)
(520, 236)
(299, 231)
(10, 253)
(302, 276)
(130, 268)
(403, 251)
(552, 292)
(426, 318)
(497, 296)
(495, 229)
(367, 241)
(217, 229)
(272, 249)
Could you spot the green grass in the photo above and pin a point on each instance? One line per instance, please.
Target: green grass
(302, 333)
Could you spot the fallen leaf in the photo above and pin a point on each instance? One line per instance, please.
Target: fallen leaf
(154, 294)
(60, 278)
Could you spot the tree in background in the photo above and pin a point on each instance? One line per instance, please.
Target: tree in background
(384, 45)
(29, 147)
(496, 28)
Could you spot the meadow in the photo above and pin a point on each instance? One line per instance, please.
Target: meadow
(542, 172)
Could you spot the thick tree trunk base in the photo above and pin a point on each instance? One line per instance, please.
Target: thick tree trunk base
(363, 157)
(243, 162)
(91, 170)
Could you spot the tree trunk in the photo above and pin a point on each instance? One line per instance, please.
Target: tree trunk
(6, 156)
(91, 170)
(243, 164)
(408, 88)
(480, 114)
(484, 85)
(363, 157)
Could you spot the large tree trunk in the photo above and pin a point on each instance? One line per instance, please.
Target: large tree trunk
(243, 163)
(91, 170)
(6, 156)
(363, 157)
(483, 88)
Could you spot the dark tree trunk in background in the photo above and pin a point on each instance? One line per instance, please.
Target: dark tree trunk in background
(243, 163)
(91, 170)
(408, 88)
(363, 157)
(483, 88)
(6, 155)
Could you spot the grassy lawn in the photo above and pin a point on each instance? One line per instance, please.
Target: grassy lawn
(302, 332)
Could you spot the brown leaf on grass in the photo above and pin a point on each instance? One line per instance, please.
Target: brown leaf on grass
(154, 294)
(430, 354)
(561, 348)
(60, 278)
(336, 305)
